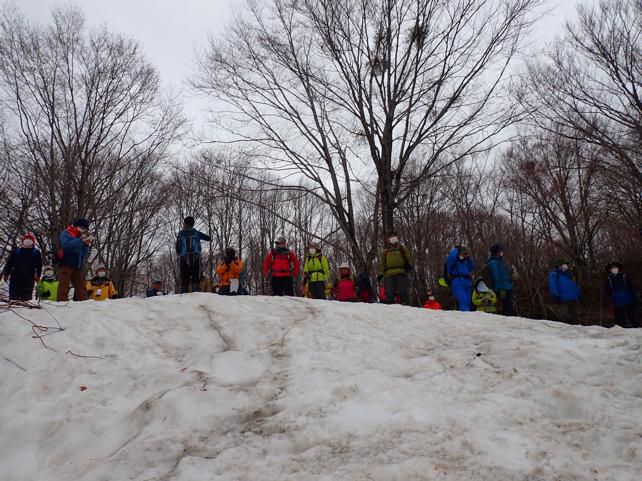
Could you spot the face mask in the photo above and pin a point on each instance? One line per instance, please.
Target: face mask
(564, 267)
(312, 250)
(101, 274)
(615, 271)
(27, 243)
(431, 298)
(394, 240)
(49, 273)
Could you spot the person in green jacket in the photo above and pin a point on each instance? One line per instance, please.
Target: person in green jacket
(484, 299)
(316, 271)
(48, 285)
(394, 266)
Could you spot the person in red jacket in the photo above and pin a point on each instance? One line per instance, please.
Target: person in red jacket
(431, 302)
(345, 288)
(282, 266)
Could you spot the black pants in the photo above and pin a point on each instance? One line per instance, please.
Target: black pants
(190, 273)
(282, 286)
(398, 285)
(570, 312)
(506, 307)
(317, 289)
(20, 289)
(622, 313)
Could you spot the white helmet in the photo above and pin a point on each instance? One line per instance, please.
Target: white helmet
(344, 265)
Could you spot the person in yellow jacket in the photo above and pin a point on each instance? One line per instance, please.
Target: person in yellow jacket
(229, 273)
(316, 272)
(484, 299)
(48, 285)
(101, 287)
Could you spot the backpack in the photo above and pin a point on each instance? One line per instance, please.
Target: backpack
(487, 276)
(402, 251)
(281, 255)
(189, 244)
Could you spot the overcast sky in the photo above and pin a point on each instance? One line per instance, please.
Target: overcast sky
(171, 30)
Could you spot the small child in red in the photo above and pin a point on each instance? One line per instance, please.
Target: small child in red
(431, 302)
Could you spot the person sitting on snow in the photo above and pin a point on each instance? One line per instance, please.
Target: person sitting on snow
(48, 285)
(345, 288)
(156, 289)
(229, 273)
(23, 269)
(101, 287)
(484, 299)
(431, 301)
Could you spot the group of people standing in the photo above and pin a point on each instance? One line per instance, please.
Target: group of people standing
(491, 291)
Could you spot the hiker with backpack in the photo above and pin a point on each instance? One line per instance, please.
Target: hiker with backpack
(459, 268)
(23, 269)
(484, 299)
(47, 289)
(620, 292)
(229, 273)
(100, 287)
(394, 266)
(282, 266)
(345, 287)
(188, 248)
(564, 291)
(497, 277)
(316, 272)
(74, 242)
(365, 292)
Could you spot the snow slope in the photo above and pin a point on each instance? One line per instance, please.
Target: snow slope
(202, 387)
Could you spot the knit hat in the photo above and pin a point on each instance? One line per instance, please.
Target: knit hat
(230, 252)
(496, 249)
(189, 220)
(28, 235)
(81, 222)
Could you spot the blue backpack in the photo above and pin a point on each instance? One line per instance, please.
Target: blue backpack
(190, 242)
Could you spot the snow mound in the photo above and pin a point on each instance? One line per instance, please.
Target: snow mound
(202, 387)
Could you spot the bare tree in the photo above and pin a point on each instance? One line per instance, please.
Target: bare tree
(340, 90)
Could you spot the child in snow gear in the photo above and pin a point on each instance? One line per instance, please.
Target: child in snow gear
(282, 266)
(431, 301)
(395, 265)
(484, 299)
(156, 289)
(564, 290)
(188, 248)
(498, 279)
(345, 287)
(365, 293)
(229, 273)
(100, 287)
(23, 269)
(48, 286)
(620, 292)
(459, 268)
(316, 272)
(74, 243)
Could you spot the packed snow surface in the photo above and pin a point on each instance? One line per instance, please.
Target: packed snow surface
(201, 387)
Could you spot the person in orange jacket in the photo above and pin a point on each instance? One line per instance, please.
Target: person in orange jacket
(229, 273)
(431, 302)
(283, 266)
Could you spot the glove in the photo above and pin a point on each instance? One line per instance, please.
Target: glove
(502, 294)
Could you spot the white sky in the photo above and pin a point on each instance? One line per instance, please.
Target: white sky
(171, 30)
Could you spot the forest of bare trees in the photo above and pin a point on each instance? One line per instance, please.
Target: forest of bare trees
(338, 121)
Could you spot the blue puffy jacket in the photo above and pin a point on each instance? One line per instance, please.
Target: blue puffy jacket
(460, 270)
(74, 250)
(619, 289)
(562, 286)
(500, 275)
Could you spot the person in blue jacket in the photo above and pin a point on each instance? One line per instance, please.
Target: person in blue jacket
(501, 280)
(621, 293)
(74, 244)
(188, 248)
(564, 291)
(460, 266)
(23, 269)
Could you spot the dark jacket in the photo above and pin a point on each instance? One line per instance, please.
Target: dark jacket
(23, 265)
(619, 290)
(74, 250)
(501, 278)
(188, 242)
(460, 270)
(562, 286)
(151, 292)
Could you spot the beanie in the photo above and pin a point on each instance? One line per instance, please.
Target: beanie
(81, 222)
(189, 220)
(496, 249)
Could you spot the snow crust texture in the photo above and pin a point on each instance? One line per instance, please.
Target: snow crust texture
(208, 388)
